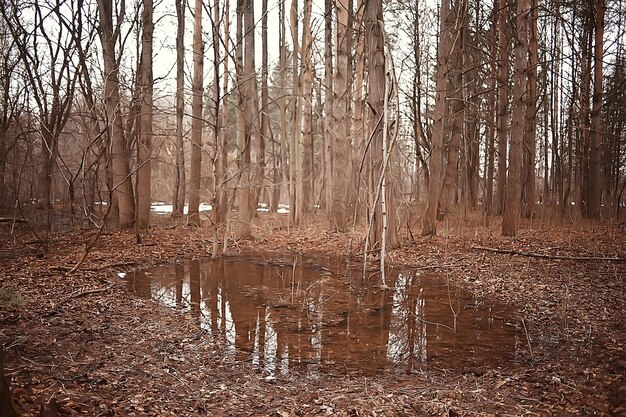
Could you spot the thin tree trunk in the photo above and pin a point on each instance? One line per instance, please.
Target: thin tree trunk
(595, 153)
(435, 163)
(382, 233)
(457, 108)
(222, 209)
(295, 164)
(342, 120)
(249, 112)
(282, 101)
(196, 114)
(178, 200)
(144, 145)
(328, 107)
(306, 130)
(530, 131)
(264, 135)
(503, 104)
(513, 189)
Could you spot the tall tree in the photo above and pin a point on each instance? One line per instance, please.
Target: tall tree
(503, 104)
(511, 213)
(122, 186)
(197, 91)
(295, 155)
(248, 126)
(306, 127)
(144, 145)
(595, 152)
(342, 120)
(456, 106)
(435, 163)
(328, 106)
(178, 200)
(382, 233)
(530, 131)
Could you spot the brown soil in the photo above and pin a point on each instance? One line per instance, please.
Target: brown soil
(80, 342)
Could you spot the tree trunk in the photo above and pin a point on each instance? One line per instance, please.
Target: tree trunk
(595, 152)
(178, 200)
(196, 114)
(435, 163)
(306, 126)
(222, 209)
(503, 104)
(122, 185)
(585, 123)
(457, 107)
(328, 107)
(342, 121)
(264, 135)
(491, 115)
(381, 232)
(282, 101)
(144, 145)
(249, 111)
(513, 190)
(530, 131)
(295, 164)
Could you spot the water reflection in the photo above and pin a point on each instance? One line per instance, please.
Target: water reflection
(285, 317)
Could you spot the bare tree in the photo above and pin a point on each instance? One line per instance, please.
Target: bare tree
(248, 120)
(595, 152)
(511, 213)
(196, 115)
(122, 186)
(180, 187)
(342, 120)
(429, 226)
(48, 51)
(502, 119)
(144, 145)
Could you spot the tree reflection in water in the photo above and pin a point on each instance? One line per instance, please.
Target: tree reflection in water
(285, 317)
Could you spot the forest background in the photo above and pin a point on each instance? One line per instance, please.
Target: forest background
(388, 114)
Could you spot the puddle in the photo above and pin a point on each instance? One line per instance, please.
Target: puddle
(319, 320)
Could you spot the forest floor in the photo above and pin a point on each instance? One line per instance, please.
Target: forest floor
(79, 343)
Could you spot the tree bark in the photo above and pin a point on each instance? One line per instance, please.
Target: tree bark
(341, 119)
(530, 131)
(196, 115)
(122, 185)
(144, 145)
(178, 200)
(595, 153)
(511, 214)
(435, 163)
(328, 107)
(249, 112)
(382, 233)
(457, 107)
(306, 129)
(503, 104)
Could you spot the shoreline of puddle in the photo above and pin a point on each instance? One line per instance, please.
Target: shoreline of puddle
(315, 316)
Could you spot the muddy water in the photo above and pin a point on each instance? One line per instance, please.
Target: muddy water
(318, 317)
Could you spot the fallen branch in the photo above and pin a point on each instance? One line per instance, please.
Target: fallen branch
(96, 269)
(12, 219)
(541, 255)
(73, 296)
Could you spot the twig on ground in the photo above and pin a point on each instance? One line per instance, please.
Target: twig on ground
(74, 295)
(546, 256)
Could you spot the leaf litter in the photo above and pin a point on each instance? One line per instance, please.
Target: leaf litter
(82, 339)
